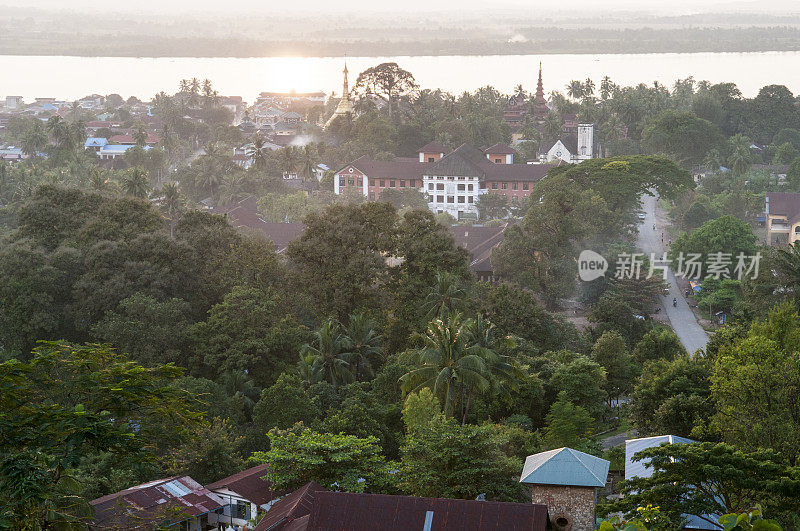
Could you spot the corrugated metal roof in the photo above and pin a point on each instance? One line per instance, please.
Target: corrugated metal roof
(565, 466)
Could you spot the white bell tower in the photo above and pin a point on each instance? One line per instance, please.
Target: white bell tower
(585, 141)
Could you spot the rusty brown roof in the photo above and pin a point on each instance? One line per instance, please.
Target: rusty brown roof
(313, 508)
(784, 204)
(433, 147)
(170, 499)
(249, 484)
(396, 169)
(499, 149)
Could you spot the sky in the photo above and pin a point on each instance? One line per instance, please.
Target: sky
(361, 6)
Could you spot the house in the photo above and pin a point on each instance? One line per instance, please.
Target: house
(129, 140)
(479, 243)
(782, 217)
(566, 480)
(112, 151)
(571, 148)
(246, 494)
(94, 144)
(638, 469)
(163, 502)
(313, 508)
(232, 103)
(453, 181)
(12, 153)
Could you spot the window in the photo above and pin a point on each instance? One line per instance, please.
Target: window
(451, 199)
(440, 186)
(350, 182)
(391, 183)
(505, 186)
(514, 186)
(341, 180)
(430, 186)
(372, 196)
(431, 159)
(469, 199)
(411, 183)
(402, 184)
(383, 183)
(461, 199)
(440, 199)
(494, 186)
(372, 182)
(524, 186)
(461, 188)
(498, 161)
(242, 511)
(430, 199)
(469, 187)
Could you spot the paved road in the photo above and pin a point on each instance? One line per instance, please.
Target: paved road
(681, 317)
(618, 439)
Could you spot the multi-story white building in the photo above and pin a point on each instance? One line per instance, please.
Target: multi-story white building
(573, 147)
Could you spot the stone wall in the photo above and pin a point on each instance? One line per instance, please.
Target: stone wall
(576, 504)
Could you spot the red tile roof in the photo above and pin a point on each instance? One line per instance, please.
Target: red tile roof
(128, 139)
(164, 499)
(784, 204)
(378, 169)
(433, 147)
(479, 242)
(499, 149)
(248, 484)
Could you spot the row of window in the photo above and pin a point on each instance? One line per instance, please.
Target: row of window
(461, 187)
(451, 199)
(514, 186)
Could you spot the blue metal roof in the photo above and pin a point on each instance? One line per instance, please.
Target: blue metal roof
(565, 466)
(95, 142)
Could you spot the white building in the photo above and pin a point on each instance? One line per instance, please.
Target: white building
(14, 102)
(244, 495)
(572, 148)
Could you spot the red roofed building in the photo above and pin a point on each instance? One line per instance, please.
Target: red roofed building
(169, 501)
(452, 182)
(245, 493)
(312, 508)
(128, 139)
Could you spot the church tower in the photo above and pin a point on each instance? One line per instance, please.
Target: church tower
(540, 109)
(345, 105)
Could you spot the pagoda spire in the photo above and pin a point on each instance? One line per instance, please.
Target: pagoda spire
(345, 86)
(540, 85)
(540, 109)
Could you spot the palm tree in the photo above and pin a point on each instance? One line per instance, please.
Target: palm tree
(445, 297)
(98, 180)
(553, 126)
(258, 153)
(35, 140)
(787, 264)
(364, 344)
(140, 137)
(171, 204)
(288, 159)
(606, 88)
(135, 183)
(575, 89)
(519, 90)
(231, 188)
(307, 166)
(588, 87)
(328, 356)
(447, 364)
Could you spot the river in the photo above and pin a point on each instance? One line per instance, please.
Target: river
(74, 77)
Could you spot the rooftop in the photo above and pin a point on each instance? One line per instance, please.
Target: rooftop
(565, 466)
(249, 484)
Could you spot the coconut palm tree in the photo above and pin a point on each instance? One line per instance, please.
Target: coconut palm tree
(588, 87)
(35, 140)
(98, 180)
(258, 153)
(140, 137)
(171, 205)
(575, 89)
(364, 345)
(306, 162)
(787, 264)
(445, 297)
(135, 183)
(231, 188)
(448, 364)
(288, 159)
(553, 126)
(327, 357)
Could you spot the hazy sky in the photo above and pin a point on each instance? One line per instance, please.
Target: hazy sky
(528, 6)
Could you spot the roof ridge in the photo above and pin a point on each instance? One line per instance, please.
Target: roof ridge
(584, 464)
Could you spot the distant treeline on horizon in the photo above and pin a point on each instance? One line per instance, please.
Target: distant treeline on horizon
(525, 40)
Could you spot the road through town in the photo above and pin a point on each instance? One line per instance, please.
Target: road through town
(681, 317)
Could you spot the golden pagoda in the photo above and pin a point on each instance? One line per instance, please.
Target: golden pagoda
(345, 105)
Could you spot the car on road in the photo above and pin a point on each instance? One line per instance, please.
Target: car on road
(642, 215)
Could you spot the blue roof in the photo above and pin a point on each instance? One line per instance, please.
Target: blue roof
(95, 142)
(565, 466)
